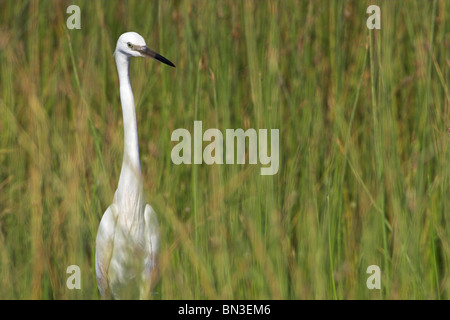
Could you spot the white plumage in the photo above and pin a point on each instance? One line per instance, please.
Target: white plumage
(128, 236)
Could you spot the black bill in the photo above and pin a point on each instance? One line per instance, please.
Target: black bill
(146, 51)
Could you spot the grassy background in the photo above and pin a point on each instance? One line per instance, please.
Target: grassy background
(364, 123)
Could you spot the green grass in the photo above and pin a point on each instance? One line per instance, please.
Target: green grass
(364, 123)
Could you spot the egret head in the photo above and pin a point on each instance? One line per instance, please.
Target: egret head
(132, 44)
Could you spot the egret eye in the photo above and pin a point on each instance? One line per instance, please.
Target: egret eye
(130, 45)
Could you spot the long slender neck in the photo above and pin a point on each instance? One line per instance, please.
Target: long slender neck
(130, 181)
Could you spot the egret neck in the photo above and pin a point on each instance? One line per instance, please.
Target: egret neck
(130, 181)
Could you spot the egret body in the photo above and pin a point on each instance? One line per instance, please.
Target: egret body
(128, 236)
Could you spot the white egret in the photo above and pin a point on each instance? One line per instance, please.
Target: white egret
(128, 236)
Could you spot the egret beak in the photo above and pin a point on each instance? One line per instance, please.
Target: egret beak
(149, 53)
